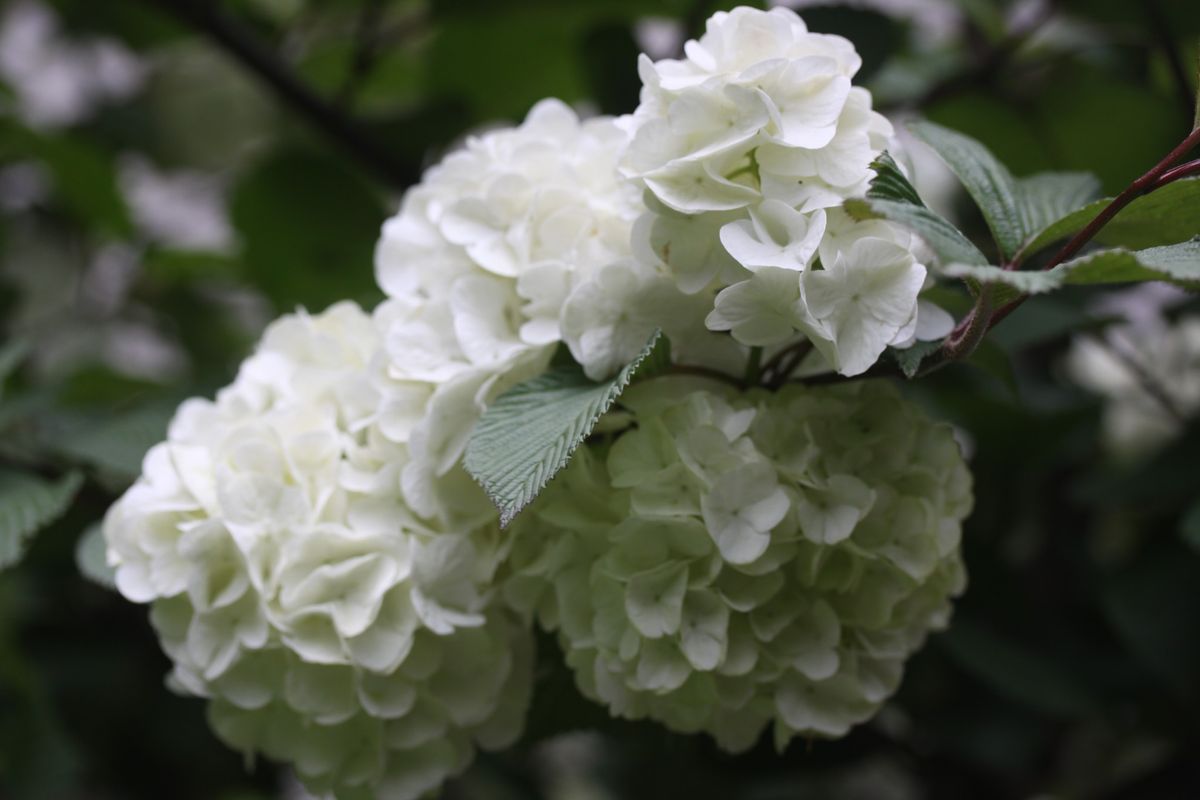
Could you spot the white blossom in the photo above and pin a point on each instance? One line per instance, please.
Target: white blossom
(734, 562)
(746, 148)
(330, 624)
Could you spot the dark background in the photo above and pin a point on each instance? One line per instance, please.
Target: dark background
(219, 163)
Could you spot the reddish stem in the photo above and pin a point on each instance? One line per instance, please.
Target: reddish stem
(1159, 175)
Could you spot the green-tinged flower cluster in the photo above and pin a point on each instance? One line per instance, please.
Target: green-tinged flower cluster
(731, 561)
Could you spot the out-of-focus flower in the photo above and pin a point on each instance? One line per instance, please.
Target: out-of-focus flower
(1149, 377)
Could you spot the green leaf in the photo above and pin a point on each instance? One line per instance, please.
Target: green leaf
(909, 358)
(890, 183)
(1153, 607)
(308, 224)
(989, 182)
(1176, 263)
(117, 445)
(11, 355)
(91, 556)
(1014, 209)
(1049, 196)
(892, 197)
(1169, 214)
(529, 433)
(27, 504)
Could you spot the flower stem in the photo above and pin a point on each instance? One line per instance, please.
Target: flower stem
(753, 366)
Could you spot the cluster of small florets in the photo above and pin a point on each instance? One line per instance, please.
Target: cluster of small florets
(1149, 376)
(733, 561)
(331, 627)
(747, 148)
(323, 569)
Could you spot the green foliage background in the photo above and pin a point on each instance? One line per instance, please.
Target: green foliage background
(1072, 668)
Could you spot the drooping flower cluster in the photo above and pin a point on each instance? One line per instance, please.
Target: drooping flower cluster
(1149, 376)
(330, 626)
(734, 561)
(747, 147)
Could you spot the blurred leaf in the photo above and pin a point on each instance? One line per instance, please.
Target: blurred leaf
(1155, 609)
(27, 504)
(530, 432)
(909, 358)
(995, 361)
(309, 227)
(1020, 674)
(1165, 216)
(91, 556)
(1074, 115)
(85, 180)
(116, 445)
(11, 355)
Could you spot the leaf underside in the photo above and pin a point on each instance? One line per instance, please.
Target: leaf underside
(530, 432)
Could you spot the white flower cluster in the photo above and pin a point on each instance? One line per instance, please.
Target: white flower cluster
(747, 148)
(1149, 376)
(323, 570)
(739, 560)
(331, 627)
(514, 243)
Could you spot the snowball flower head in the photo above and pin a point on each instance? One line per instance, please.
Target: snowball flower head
(513, 243)
(738, 561)
(1149, 377)
(747, 148)
(329, 625)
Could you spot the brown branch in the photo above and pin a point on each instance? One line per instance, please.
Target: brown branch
(249, 52)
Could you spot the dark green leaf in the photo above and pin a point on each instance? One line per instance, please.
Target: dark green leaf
(28, 504)
(1024, 675)
(909, 358)
(309, 226)
(1177, 263)
(1047, 197)
(1169, 214)
(891, 196)
(529, 433)
(989, 182)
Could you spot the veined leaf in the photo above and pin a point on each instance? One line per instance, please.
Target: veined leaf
(892, 197)
(1176, 263)
(1047, 197)
(1169, 214)
(989, 182)
(1015, 209)
(28, 504)
(529, 433)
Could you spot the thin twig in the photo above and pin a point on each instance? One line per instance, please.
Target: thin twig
(208, 19)
(1154, 179)
(366, 49)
